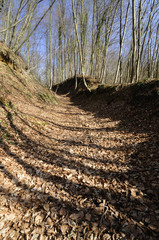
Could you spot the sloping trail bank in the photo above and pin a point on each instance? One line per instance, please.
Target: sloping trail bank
(68, 173)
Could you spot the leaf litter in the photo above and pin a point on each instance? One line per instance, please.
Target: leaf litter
(66, 173)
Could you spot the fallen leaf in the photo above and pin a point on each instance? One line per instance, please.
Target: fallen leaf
(64, 229)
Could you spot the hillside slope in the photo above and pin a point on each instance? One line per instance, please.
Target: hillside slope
(17, 83)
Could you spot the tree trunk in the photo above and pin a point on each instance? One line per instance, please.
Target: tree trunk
(107, 40)
(147, 27)
(139, 42)
(155, 52)
(122, 36)
(25, 39)
(8, 21)
(50, 49)
(16, 19)
(93, 42)
(79, 46)
(133, 73)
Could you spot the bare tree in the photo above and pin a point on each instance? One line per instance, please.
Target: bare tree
(78, 42)
(155, 56)
(122, 36)
(83, 39)
(133, 73)
(50, 49)
(139, 41)
(8, 20)
(107, 40)
(15, 20)
(93, 40)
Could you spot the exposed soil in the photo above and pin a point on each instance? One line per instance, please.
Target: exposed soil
(80, 169)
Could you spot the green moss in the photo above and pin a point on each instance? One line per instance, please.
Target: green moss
(29, 95)
(7, 91)
(2, 101)
(5, 135)
(46, 98)
(11, 105)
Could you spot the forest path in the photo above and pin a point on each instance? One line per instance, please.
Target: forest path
(66, 173)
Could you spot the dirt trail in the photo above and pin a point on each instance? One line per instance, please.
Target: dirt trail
(66, 173)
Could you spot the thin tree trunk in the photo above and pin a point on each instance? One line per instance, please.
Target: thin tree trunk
(139, 42)
(107, 43)
(147, 27)
(156, 63)
(47, 57)
(8, 21)
(119, 65)
(22, 43)
(50, 49)
(75, 63)
(93, 42)
(155, 52)
(133, 74)
(121, 38)
(27, 25)
(16, 19)
(79, 46)
(149, 52)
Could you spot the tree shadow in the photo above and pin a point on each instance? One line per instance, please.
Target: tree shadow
(71, 128)
(118, 209)
(93, 195)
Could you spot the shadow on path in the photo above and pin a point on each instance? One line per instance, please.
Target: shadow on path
(129, 196)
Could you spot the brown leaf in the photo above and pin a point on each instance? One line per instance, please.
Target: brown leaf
(62, 212)
(76, 216)
(38, 219)
(64, 229)
(88, 217)
(50, 222)
(46, 207)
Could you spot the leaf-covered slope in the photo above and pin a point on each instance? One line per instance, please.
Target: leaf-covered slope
(141, 93)
(17, 82)
(75, 86)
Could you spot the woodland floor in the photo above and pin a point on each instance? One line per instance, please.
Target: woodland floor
(73, 171)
